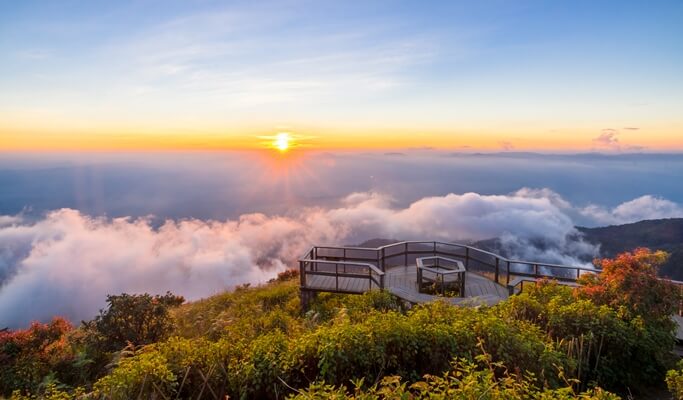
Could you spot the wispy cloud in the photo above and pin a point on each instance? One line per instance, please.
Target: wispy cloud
(34, 54)
(506, 145)
(608, 139)
(226, 55)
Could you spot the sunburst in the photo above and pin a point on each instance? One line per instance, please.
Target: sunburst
(282, 141)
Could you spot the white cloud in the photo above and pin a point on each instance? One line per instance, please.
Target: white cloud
(644, 207)
(67, 262)
(9, 220)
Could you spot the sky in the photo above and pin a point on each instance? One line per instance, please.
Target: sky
(197, 145)
(490, 75)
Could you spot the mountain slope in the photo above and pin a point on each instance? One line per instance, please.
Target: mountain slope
(659, 234)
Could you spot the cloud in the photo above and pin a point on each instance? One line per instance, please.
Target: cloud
(66, 262)
(555, 198)
(631, 128)
(644, 207)
(6, 220)
(638, 209)
(274, 64)
(608, 139)
(34, 54)
(507, 146)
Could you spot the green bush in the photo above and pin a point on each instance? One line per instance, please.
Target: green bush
(423, 341)
(674, 381)
(132, 319)
(465, 380)
(549, 342)
(606, 348)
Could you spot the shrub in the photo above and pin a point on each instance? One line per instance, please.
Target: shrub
(674, 381)
(132, 319)
(465, 380)
(33, 357)
(629, 283)
(605, 346)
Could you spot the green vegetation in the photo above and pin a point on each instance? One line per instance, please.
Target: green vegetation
(549, 342)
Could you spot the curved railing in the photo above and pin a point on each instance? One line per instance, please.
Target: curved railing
(366, 265)
(496, 267)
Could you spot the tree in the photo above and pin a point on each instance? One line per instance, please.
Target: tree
(629, 283)
(132, 319)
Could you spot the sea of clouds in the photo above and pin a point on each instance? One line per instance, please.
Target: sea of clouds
(66, 262)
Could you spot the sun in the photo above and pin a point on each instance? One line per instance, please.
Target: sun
(282, 141)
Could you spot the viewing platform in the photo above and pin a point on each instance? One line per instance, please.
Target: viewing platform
(419, 272)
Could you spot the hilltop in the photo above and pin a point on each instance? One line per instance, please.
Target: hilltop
(659, 234)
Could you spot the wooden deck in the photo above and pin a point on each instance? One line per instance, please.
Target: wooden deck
(402, 282)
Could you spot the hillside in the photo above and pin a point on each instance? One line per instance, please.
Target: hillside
(660, 234)
(255, 343)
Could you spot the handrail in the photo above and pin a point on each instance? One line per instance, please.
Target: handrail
(420, 264)
(372, 267)
(464, 246)
(499, 267)
(459, 269)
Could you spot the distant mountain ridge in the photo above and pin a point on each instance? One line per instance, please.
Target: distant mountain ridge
(657, 234)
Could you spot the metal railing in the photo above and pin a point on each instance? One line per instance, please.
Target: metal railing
(373, 262)
(496, 267)
(348, 270)
(437, 267)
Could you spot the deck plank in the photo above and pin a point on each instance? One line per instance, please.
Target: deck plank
(402, 282)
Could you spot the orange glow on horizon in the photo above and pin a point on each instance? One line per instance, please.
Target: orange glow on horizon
(655, 138)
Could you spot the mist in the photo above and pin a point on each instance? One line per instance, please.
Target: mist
(66, 261)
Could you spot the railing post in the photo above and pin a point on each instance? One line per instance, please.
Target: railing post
(370, 277)
(467, 258)
(434, 249)
(336, 276)
(382, 259)
(535, 272)
(497, 268)
(578, 274)
(381, 281)
(508, 273)
(419, 279)
(302, 273)
(405, 256)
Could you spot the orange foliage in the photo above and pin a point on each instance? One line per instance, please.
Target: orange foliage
(28, 355)
(629, 283)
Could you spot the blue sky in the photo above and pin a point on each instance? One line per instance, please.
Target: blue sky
(536, 74)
